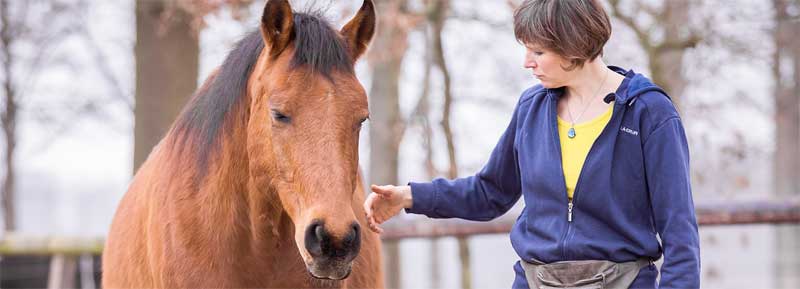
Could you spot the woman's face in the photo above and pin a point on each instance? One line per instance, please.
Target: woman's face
(547, 66)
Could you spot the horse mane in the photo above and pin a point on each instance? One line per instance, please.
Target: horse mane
(198, 129)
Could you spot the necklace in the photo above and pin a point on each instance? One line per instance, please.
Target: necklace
(571, 133)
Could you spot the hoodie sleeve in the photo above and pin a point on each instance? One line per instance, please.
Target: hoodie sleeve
(667, 168)
(482, 197)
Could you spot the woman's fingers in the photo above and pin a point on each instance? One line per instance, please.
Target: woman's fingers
(384, 191)
(371, 222)
(374, 226)
(376, 229)
(368, 204)
(378, 206)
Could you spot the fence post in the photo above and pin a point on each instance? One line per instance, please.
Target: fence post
(62, 272)
(391, 264)
(466, 272)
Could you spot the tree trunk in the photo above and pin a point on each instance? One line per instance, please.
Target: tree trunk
(421, 117)
(167, 51)
(786, 68)
(666, 62)
(9, 118)
(665, 57)
(437, 18)
(786, 72)
(386, 127)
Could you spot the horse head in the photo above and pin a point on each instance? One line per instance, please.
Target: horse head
(306, 111)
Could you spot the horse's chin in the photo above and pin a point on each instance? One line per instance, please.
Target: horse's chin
(338, 271)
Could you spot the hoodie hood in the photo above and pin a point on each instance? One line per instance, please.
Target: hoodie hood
(634, 85)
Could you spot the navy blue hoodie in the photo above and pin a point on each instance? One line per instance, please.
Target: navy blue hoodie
(634, 185)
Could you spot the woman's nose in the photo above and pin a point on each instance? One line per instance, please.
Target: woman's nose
(529, 60)
(529, 63)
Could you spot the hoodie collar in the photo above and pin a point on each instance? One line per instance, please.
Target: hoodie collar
(637, 84)
(634, 85)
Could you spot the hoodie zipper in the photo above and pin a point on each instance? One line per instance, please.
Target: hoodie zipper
(569, 211)
(571, 203)
(554, 129)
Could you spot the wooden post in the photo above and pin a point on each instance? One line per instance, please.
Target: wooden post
(62, 272)
(87, 271)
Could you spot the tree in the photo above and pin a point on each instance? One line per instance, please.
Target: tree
(21, 25)
(437, 16)
(167, 59)
(9, 118)
(664, 54)
(167, 50)
(786, 65)
(385, 59)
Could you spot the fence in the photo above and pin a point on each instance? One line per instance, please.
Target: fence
(707, 215)
(75, 263)
(723, 214)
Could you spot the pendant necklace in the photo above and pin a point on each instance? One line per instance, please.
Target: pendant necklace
(571, 133)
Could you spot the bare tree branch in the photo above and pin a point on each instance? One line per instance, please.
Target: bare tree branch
(476, 17)
(641, 35)
(101, 62)
(8, 116)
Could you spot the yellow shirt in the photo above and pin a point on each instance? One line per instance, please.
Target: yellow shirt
(575, 150)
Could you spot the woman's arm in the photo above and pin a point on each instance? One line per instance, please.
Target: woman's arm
(667, 165)
(484, 196)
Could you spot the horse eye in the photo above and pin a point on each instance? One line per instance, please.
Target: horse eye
(361, 122)
(280, 117)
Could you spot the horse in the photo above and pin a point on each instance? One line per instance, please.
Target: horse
(257, 184)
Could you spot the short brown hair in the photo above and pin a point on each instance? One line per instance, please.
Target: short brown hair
(575, 29)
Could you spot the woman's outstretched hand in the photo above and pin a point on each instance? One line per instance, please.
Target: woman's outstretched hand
(384, 203)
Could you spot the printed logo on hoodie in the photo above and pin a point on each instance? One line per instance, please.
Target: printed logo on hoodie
(629, 131)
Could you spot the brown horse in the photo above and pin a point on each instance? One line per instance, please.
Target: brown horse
(257, 182)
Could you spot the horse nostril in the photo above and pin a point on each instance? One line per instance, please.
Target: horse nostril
(352, 242)
(319, 232)
(315, 236)
(356, 230)
(320, 243)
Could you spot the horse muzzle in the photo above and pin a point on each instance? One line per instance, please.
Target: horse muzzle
(332, 258)
(329, 271)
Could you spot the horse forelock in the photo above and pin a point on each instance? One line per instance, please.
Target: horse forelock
(318, 46)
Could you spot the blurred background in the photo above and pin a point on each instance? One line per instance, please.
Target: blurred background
(87, 88)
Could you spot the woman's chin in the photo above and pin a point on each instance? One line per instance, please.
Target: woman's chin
(547, 84)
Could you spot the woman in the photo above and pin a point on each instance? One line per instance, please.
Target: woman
(599, 155)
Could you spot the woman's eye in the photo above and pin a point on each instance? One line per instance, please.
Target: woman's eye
(280, 117)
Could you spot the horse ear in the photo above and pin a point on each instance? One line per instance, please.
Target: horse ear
(277, 26)
(358, 32)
